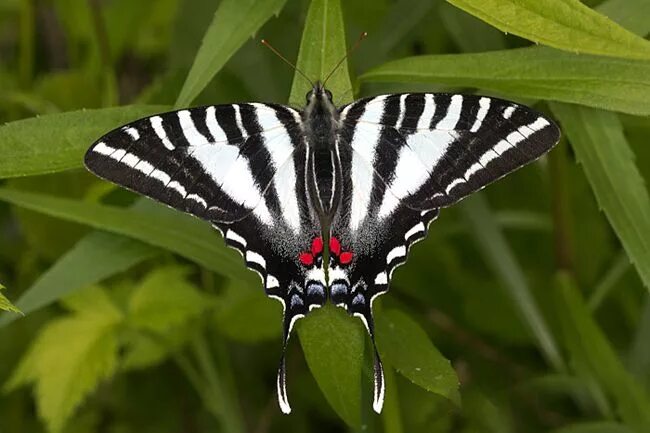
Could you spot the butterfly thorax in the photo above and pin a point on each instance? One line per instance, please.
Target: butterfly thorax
(320, 121)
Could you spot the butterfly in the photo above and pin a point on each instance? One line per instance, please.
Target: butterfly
(361, 182)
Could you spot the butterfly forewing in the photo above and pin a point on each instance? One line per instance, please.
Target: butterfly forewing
(214, 162)
(445, 146)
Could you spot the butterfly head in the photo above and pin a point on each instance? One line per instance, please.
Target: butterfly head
(318, 93)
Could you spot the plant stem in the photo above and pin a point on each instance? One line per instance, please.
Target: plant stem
(218, 401)
(562, 221)
(26, 50)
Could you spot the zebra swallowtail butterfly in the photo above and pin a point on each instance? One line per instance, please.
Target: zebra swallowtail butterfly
(363, 181)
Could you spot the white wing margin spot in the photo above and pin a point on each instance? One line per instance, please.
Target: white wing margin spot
(449, 122)
(484, 107)
(103, 149)
(157, 125)
(192, 135)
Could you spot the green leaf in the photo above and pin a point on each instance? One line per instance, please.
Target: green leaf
(631, 14)
(142, 351)
(93, 301)
(500, 257)
(165, 299)
(83, 348)
(248, 315)
(5, 304)
(172, 230)
(405, 346)
(470, 34)
(536, 73)
(233, 23)
(57, 142)
(321, 48)
(593, 356)
(333, 345)
(601, 147)
(595, 427)
(94, 258)
(563, 24)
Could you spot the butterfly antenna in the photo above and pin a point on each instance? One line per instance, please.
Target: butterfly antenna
(361, 37)
(284, 59)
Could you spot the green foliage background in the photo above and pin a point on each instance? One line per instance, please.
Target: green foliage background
(525, 310)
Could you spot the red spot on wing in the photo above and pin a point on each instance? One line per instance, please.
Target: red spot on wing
(345, 257)
(306, 259)
(317, 246)
(335, 246)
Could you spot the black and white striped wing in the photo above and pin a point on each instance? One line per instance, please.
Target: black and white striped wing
(240, 167)
(406, 156)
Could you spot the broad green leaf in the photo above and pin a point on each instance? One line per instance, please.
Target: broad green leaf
(165, 299)
(83, 347)
(57, 142)
(405, 346)
(499, 256)
(322, 46)
(333, 345)
(142, 351)
(5, 304)
(94, 258)
(600, 145)
(535, 73)
(93, 300)
(593, 356)
(564, 24)
(172, 230)
(595, 427)
(233, 23)
(248, 315)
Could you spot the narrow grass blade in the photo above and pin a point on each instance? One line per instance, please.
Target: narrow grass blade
(564, 24)
(593, 356)
(156, 226)
(234, 22)
(601, 147)
(500, 258)
(97, 256)
(535, 73)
